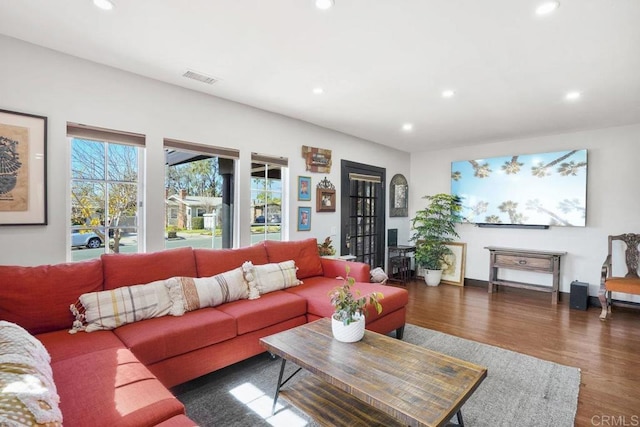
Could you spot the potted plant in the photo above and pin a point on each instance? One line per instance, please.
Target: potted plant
(434, 227)
(326, 248)
(348, 319)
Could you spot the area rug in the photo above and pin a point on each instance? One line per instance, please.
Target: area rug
(519, 390)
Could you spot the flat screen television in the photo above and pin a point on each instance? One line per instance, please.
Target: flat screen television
(532, 190)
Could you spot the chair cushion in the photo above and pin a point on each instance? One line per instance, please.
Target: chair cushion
(38, 298)
(624, 285)
(303, 252)
(270, 309)
(133, 269)
(215, 261)
(157, 339)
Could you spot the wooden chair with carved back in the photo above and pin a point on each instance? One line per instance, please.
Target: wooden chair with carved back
(630, 282)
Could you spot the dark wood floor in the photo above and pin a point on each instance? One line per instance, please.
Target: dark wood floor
(608, 353)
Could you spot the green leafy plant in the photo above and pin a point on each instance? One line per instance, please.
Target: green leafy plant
(326, 248)
(349, 307)
(434, 227)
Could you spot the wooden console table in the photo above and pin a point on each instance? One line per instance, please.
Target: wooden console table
(527, 260)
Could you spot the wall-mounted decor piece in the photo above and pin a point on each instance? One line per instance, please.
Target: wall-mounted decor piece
(325, 196)
(317, 159)
(453, 270)
(23, 169)
(304, 188)
(533, 190)
(399, 196)
(304, 218)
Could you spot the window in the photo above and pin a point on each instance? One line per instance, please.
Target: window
(105, 191)
(267, 197)
(198, 195)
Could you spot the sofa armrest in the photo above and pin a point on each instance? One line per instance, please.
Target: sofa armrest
(338, 268)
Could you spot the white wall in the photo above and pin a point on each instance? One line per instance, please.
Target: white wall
(613, 202)
(67, 89)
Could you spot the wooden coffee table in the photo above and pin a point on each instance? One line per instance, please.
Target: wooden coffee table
(378, 380)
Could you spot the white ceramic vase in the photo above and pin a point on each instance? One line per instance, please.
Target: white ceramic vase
(352, 332)
(432, 277)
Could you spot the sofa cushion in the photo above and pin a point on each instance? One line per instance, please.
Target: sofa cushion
(270, 309)
(63, 345)
(29, 395)
(316, 291)
(215, 261)
(270, 277)
(111, 387)
(117, 307)
(163, 337)
(303, 252)
(38, 298)
(190, 293)
(132, 269)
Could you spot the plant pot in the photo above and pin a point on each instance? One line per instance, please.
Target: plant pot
(432, 277)
(352, 332)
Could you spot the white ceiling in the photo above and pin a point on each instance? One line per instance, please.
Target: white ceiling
(381, 63)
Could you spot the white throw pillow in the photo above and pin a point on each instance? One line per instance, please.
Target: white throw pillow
(270, 277)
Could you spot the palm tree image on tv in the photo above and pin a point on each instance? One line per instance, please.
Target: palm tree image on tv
(531, 189)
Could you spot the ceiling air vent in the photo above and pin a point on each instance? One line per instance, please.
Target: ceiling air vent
(200, 77)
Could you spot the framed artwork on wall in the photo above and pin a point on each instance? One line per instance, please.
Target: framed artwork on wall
(304, 218)
(325, 196)
(23, 169)
(399, 197)
(304, 188)
(453, 271)
(325, 200)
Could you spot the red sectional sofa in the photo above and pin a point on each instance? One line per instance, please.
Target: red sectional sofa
(121, 376)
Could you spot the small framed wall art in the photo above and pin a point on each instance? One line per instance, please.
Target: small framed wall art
(304, 188)
(23, 169)
(325, 196)
(304, 218)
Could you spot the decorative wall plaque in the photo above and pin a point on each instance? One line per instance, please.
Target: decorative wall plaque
(317, 159)
(399, 196)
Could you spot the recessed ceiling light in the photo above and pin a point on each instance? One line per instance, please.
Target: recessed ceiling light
(407, 127)
(448, 93)
(318, 90)
(103, 4)
(574, 95)
(324, 4)
(547, 7)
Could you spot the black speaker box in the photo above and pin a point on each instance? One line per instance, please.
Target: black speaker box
(579, 298)
(392, 237)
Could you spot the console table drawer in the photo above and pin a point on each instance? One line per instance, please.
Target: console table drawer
(524, 262)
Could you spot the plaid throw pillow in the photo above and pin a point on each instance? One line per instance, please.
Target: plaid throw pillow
(106, 310)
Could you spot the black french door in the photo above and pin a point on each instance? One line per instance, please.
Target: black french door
(363, 212)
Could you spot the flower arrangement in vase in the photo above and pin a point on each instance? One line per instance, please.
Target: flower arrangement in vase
(348, 319)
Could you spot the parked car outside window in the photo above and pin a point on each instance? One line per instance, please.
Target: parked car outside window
(89, 240)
